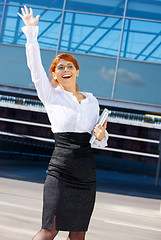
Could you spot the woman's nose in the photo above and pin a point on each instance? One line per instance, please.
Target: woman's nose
(66, 68)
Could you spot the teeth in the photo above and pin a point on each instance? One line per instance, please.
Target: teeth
(66, 76)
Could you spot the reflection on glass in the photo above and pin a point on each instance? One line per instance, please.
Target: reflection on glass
(49, 27)
(91, 34)
(141, 40)
(43, 3)
(96, 74)
(144, 9)
(105, 7)
(138, 82)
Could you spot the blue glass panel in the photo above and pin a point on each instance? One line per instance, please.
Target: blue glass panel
(141, 40)
(144, 9)
(14, 71)
(49, 27)
(138, 82)
(43, 3)
(13, 67)
(96, 74)
(105, 7)
(91, 34)
(1, 11)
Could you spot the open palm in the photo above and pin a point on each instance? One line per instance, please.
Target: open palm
(28, 17)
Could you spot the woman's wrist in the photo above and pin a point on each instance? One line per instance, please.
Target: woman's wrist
(31, 32)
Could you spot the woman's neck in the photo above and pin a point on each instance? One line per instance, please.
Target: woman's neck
(71, 89)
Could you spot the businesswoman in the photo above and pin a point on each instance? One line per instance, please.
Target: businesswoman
(70, 186)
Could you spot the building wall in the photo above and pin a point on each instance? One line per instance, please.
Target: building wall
(117, 44)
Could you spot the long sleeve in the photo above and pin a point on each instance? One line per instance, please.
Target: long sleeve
(38, 74)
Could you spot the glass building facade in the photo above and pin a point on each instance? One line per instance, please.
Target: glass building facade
(117, 44)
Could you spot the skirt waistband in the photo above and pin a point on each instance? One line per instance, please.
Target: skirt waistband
(72, 139)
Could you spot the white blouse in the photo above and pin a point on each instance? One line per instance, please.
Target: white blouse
(65, 113)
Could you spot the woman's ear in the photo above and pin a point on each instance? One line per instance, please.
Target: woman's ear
(77, 73)
(54, 75)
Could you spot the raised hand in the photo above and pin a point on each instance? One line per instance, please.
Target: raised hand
(28, 17)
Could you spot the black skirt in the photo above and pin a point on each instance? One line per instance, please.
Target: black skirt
(70, 186)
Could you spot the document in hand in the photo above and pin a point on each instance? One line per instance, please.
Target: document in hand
(101, 121)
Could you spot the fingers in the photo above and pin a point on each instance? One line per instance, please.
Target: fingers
(31, 12)
(28, 16)
(99, 133)
(37, 17)
(20, 15)
(102, 127)
(98, 129)
(23, 11)
(94, 133)
(26, 9)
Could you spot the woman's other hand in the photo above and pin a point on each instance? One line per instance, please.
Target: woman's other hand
(28, 17)
(99, 131)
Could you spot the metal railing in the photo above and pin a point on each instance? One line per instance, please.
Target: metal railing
(135, 117)
(21, 101)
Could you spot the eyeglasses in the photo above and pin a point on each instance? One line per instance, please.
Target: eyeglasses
(62, 67)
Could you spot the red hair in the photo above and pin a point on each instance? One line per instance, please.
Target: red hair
(66, 57)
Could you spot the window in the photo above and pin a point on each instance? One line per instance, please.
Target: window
(138, 82)
(141, 40)
(102, 6)
(91, 34)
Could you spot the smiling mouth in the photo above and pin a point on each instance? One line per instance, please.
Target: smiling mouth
(67, 76)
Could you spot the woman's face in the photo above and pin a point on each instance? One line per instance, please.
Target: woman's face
(66, 73)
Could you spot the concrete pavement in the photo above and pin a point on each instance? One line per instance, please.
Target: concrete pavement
(121, 212)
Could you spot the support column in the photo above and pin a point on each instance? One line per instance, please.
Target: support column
(158, 165)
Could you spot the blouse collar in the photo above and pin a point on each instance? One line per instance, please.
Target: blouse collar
(70, 94)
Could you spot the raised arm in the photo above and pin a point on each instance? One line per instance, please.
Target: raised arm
(38, 74)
